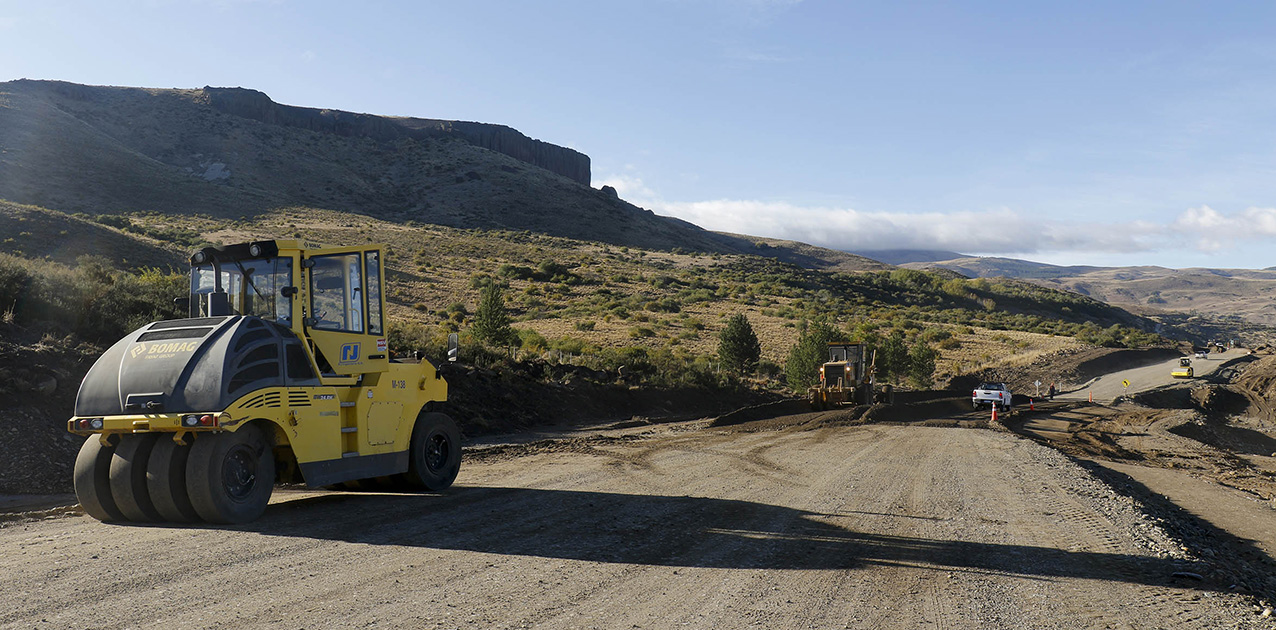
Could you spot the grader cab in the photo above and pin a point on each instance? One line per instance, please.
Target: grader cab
(281, 373)
(847, 378)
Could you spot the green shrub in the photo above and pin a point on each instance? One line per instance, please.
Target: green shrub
(738, 346)
(802, 369)
(531, 341)
(569, 345)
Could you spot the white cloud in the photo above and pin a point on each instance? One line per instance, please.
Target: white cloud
(1213, 231)
(630, 188)
(1002, 231)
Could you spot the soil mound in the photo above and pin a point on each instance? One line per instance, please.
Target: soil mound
(1067, 369)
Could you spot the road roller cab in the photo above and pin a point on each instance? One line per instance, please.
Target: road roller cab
(1184, 370)
(281, 372)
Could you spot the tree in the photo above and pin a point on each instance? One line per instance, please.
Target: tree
(921, 365)
(803, 366)
(738, 346)
(892, 359)
(491, 321)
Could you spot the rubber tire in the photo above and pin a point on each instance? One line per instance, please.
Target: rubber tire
(434, 436)
(92, 479)
(219, 462)
(166, 481)
(128, 477)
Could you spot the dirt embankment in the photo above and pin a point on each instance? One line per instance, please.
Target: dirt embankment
(39, 381)
(538, 393)
(1067, 369)
(1194, 444)
(1220, 428)
(42, 375)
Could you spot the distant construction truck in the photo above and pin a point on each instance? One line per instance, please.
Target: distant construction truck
(847, 378)
(1184, 369)
(281, 372)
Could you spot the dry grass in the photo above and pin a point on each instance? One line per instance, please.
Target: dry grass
(984, 349)
(433, 267)
(610, 297)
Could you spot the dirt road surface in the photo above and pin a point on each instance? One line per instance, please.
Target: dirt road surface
(684, 527)
(1109, 387)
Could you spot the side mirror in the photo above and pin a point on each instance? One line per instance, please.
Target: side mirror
(218, 304)
(453, 345)
(288, 291)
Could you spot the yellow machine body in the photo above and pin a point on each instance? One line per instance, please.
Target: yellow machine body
(350, 413)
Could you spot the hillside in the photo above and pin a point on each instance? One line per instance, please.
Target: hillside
(234, 153)
(596, 293)
(142, 176)
(1205, 301)
(586, 312)
(992, 267)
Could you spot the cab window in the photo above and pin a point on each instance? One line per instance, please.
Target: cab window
(252, 286)
(372, 263)
(336, 293)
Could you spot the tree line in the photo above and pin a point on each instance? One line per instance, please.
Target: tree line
(739, 350)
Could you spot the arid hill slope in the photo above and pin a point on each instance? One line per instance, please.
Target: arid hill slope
(1226, 294)
(233, 153)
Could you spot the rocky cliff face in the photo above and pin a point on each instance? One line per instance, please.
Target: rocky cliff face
(231, 153)
(258, 106)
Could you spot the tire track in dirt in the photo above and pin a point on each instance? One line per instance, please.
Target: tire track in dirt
(1085, 529)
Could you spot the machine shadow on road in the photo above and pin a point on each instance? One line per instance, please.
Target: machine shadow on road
(671, 531)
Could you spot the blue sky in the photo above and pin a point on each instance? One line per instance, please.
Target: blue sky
(1108, 133)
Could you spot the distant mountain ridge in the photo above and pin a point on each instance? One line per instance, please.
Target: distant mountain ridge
(901, 256)
(234, 152)
(1249, 294)
(257, 106)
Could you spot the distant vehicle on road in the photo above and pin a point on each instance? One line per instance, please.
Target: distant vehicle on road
(991, 394)
(1184, 370)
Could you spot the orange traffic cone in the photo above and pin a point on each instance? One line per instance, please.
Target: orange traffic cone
(1091, 396)
(994, 412)
(1030, 406)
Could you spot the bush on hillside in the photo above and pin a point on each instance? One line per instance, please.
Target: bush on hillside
(94, 300)
(802, 369)
(738, 346)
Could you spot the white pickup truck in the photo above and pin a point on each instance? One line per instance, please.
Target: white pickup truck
(991, 394)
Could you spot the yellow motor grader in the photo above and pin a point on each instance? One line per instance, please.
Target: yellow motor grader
(281, 373)
(847, 378)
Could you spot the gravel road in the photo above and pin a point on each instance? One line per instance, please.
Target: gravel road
(684, 527)
(1109, 387)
